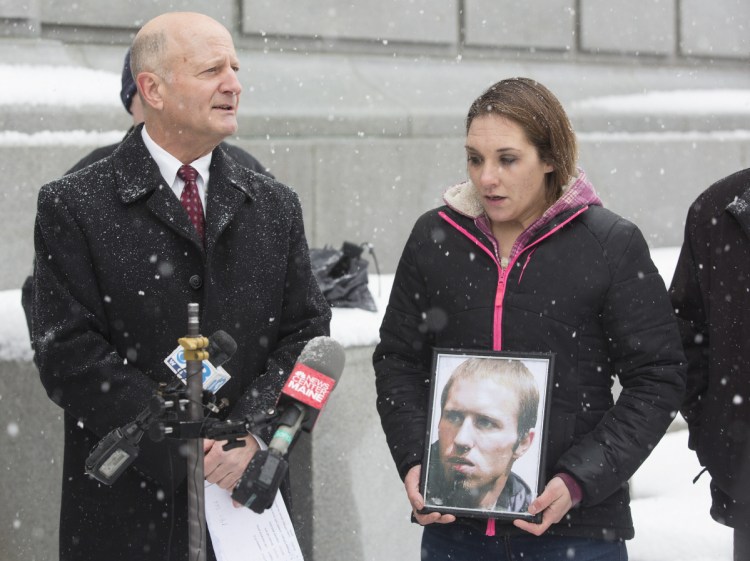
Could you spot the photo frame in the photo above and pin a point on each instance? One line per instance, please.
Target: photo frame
(486, 433)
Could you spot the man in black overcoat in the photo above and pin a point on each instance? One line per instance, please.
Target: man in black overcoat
(711, 296)
(118, 258)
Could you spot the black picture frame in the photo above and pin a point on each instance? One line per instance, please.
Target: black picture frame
(477, 436)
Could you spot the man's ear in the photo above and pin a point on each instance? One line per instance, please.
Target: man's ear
(150, 88)
(524, 444)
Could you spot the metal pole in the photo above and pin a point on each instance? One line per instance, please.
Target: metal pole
(196, 492)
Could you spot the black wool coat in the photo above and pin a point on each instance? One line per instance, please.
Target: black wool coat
(117, 262)
(711, 295)
(237, 153)
(584, 288)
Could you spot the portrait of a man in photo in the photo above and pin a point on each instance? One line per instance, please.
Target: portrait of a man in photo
(488, 414)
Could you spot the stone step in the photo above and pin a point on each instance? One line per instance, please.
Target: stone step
(370, 143)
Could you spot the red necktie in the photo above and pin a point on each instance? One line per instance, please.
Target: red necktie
(190, 198)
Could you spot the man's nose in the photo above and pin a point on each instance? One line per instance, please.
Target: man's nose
(231, 84)
(465, 435)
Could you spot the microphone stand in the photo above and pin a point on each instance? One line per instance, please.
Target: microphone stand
(194, 352)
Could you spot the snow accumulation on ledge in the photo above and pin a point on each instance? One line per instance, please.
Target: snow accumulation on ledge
(77, 86)
(671, 102)
(60, 138)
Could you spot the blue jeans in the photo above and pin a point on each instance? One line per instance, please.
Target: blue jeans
(457, 542)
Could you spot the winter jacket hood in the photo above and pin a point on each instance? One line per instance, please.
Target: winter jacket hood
(577, 194)
(464, 199)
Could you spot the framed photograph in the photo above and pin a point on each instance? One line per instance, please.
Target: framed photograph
(485, 445)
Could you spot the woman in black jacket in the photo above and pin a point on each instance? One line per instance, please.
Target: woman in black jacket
(523, 258)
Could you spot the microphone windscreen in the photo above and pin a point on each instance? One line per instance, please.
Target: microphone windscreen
(221, 347)
(325, 355)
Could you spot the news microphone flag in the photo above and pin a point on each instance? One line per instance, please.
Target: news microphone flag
(313, 378)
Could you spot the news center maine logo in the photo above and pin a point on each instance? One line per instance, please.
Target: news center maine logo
(310, 386)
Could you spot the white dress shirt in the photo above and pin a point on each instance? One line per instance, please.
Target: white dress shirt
(168, 166)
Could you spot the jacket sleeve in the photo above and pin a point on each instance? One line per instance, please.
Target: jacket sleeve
(402, 363)
(645, 353)
(80, 370)
(305, 315)
(689, 305)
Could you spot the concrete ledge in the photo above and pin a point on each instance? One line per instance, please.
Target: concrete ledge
(31, 465)
(373, 190)
(361, 511)
(313, 95)
(371, 142)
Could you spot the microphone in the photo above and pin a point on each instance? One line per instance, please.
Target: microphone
(221, 347)
(305, 393)
(318, 367)
(114, 453)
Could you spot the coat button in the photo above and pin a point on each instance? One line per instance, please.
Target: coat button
(195, 282)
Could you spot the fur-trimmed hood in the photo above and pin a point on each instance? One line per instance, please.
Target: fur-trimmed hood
(464, 199)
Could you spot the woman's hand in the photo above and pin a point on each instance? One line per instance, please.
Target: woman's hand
(554, 503)
(411, 483)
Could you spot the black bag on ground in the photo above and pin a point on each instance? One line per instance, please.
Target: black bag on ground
(342, 276)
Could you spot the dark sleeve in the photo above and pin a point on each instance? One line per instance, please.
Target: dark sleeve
(688, 301)
(646, 354)
(28, 285)
(80, 370)
(245, 159)
(93, 157)
(27, 293)
(402, 363)
(305, 315)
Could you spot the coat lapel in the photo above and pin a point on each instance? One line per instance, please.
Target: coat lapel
(227, 192)
(138, 177)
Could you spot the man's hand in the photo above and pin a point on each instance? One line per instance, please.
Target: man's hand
(411, 483)
(554, 503)
(225, 468)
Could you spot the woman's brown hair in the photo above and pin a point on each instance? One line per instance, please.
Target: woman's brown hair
(544, 121)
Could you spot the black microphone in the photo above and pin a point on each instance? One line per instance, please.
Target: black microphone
(221, 347)
(114, 453)
(305, 393)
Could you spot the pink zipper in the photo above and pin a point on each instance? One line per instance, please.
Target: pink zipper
(497, 330)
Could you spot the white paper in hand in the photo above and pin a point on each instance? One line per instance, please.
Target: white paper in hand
(239, 534)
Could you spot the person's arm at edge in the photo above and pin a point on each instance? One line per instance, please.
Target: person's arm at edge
(689, 306)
